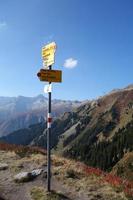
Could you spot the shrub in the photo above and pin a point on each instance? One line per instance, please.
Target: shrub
(21, 150)
(70, 173)
(93, 171)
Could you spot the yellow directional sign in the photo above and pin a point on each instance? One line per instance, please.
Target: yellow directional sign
(50, 46)
(49, 60)
(50, 75)
(48, 54)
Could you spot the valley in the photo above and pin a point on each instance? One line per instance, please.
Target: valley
(96, 129)
(92, 146)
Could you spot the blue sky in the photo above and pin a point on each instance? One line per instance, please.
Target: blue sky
(95, 36)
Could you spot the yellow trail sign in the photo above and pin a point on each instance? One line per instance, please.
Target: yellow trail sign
(49, 60)
(50, 75)
(50, 46)
(48, 53)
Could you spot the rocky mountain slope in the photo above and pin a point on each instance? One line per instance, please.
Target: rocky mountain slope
(107, 135)
(20, 112)
(70, 180)
(99, 132)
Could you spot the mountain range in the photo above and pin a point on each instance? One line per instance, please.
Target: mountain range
(97, 132)
(20, 112)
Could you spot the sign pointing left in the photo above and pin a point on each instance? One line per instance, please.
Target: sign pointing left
(50, 75)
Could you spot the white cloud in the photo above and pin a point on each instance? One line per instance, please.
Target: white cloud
(70, 63)
(3, 25)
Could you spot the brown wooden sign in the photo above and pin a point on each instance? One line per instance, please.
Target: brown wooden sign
(50, 75)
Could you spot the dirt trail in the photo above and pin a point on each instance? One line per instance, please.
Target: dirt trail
(80, 187)
(10, 190)
(68, 191)
(14, 191)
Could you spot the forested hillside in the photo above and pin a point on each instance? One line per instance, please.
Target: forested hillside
(104, 154)
(99, 132)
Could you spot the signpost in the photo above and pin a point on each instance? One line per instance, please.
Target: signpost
(49, 75)
(48, 54)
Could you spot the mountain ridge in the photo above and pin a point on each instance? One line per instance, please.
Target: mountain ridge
(21, 112)
(94, 130)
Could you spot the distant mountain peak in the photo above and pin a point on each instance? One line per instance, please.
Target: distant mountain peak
(129, 87)
(40, 96)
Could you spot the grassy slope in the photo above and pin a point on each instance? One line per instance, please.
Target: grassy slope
(124, 168)
(108, 115)
(77, 133)
(70, 180)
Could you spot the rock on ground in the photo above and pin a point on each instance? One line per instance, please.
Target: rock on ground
(3, 166)
(27, 176)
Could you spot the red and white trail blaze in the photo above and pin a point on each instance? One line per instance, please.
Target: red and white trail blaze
(49, 120)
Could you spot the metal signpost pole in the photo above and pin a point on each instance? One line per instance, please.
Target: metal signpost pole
(49, 119)
(48, 75)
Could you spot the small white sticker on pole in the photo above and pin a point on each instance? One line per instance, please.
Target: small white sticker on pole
(48, 88)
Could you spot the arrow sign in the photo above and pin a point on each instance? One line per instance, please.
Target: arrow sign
(50, 75)
(48, 54)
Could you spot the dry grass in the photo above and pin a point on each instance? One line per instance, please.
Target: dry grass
(124, 168)
(38, 193)
(91, 180)
(80, 178)
(17, 164)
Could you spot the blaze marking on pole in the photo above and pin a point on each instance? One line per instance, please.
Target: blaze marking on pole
(49, 120)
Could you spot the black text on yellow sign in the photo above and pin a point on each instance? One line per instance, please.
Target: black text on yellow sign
(50, 75)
